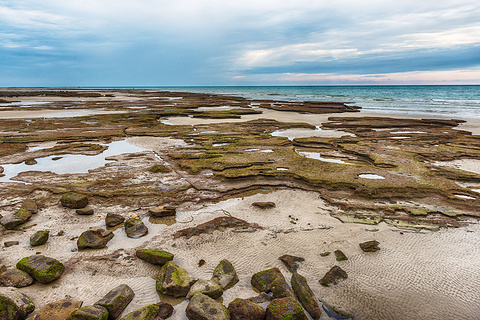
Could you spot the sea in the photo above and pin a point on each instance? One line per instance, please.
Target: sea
(450, 101)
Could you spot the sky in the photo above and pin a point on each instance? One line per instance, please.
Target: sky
(247, 42)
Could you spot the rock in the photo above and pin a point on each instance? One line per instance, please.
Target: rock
(1, 169)
(15, 278)
(41, 268)
(263, 280)
(38, 238)
(261, 298)
(116, 300)
(94, 239)
(163, 211)
(74, 200)
(242, 309)
(285, 308)
(10, 221)
(217, 224)
(58, 310)
(113, 219)
(210, 288)
(202, 307)
(166, 310)
(325, 254)
(159, 168)
(30, 162)
(264, 205)
(281, 289)
(173, 280)
(14, 305)
(149, 312)
(225, 274)
(3, 268)
(370, 246)
(159, 257)
(135, 228)
(333, 276)
(340, 255)
(291, 262)
(7, 244)
(30, 205)
(23, 214)
(305, 296)
(84, 211)
(94, 312)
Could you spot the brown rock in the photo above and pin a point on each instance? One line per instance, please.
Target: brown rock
(163, 211)
(220, 224)
(58, 310)
(291, 262)
(30, 205)
(370, 246)
(333, 276)
(241, 309)
(84, 211)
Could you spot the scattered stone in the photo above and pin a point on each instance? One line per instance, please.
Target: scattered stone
(41, 268)
(40, 237)
(1, 169)
(113, 219)
(163, 211)
(201, 262)
(84, 211)
(340, 255)
(370, 246)
(14, 305)
(285, 308)
(325, 254)
(149, 312)
(116, 300)
(30, 162)
(202, 307)
(94, 312)
(12, 221)
(58, 310)
(225, 274)
(281, 289)
(261, 298)
(60, 233)
(264, 205)
(12, 243)
(263, 280)
(74, 200)
(173, 280)
(95, 239)
(333, 276)
(217, 224)
(23, 214)
(15, 278)
(30, 205)
(242, 309)
(210, 288)
(135, 228)
(291, 262)
(159, 257)
(305, 296)
(166, 310)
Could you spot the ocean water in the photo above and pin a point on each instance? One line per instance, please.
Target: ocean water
(460, 101)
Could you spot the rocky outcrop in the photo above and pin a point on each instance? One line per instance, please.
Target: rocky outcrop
(15, 278)
(113, 219)
(262, 281)
(242, 309)
(291, 262)
(39, 238)
(89, 313)
(162, 211)
(333, 276)
(57, 310)
(135, 228)
(285, 308)
(210, 288)
(305, 296)
(370, 246)
(94, 239)
(14, 305)
(42, 269)
(225, 274)
(202, 307)
(116, 300)
(217, 224)
(158, 257)
(174, 281)
(74, 200)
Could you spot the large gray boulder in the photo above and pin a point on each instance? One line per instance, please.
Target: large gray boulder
(285, 308)
(89, 313)
(135, 228)
(242, 309)
(210, 288)
(14, 305)
(15, 278)
(74, 200)
(305, 296)
(116, 300)
(225, 274)
(202, 307)
(94, 239)
(41, 268)
(174, 281)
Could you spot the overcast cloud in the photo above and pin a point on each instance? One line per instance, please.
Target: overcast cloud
(249, 42)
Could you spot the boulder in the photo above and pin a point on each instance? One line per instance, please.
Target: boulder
(116, 300)
(333, 276)
(281, 289)
(3, 268)
(14, 305)
(38, 238)
(340, 255)
(94, 312)
(166, 310)
(159, 257)
(95, 239)
(202, 307)
(41, 268)
(291, 262)
(218, 224)
(225, 274)
(173, 280)
(135, 228)
(12, 221)
(149, 312)
(23, 214)
(210, 288)
(113, 219)
(242, 309)
(162, 211)
(11, 243)
(58, 310)
(261, 298)
(74, 200)
(370, 246)
(15, 278)
(263, 280)
(84, 211)
(30, 205)
(305, 296)
(285, 308)
(264, 205)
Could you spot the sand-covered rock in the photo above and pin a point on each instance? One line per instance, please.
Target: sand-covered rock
(135, 228)
(264, 205)
(173, 280)
(340, 256)
(158, 257)
(57, 310)
(41, 268)
(285, 308)
(74, 200)
(370, 246)
(162, 211)
(306, 296)
(94, 312)
(14, 305)
(225, 274)
(15, 278)
(242, 309)
(94, 239)
(333, 276)
(116, 300)
(39, 238)
(202, 307)
(210, 288)
(113, 219)
(263, 280)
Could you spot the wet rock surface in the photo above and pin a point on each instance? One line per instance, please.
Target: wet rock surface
(159, 257)
(15, 278)
(262, 281)
(162, 211)
(210, 288)
(285, 308)
(57, 310)
(173, 280)
(333, 276)
(135, 228)
(291, 262)
(39, 238)
(112, 219)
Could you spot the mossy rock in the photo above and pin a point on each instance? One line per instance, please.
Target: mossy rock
(135, 228)
(242, 309)
(333, 276)
(30, 205)
(14, 305)
(11, 222)
(173, 280)
(116, 300)
(57, 310)
(340, 255)
(263, 280)
(149, 312)
(84, 211)
(225, 274)
(113, 219)
(89, 313)
(280, 289)
(305, 296)
(370, 246)
(94, 239)
(285, 308)
(39, 238)
(158, 257)
(202, 307)
(41, 268)
(291, 262)
(23, 214)
(15, 278)
(74, 200)
(210, 288)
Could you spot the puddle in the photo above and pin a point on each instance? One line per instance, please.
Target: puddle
(219, 144)
(23, 104)
(462, 196)
(370, 176)
(259, 150)
(213, 131)
(399, 138)
(304, 133)
(471, 165)
(71, 163)
(318, 156)
(282, 169)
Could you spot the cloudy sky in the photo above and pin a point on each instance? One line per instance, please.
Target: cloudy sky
(247, 42)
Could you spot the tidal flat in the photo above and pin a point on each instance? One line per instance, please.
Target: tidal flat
(336, 178)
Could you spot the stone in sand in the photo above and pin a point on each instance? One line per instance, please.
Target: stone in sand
(264, 205)
(41, 268)
(95, 239)
(30, 205)
(340, 255)
(149, 312)
(305, 296)
(12, 221)
(210, 288)
(285, 308)
(30, 162)
(38, 238)
(14, 305)
(162, 211)
(84, 211)
(166, 310)
(135, 228)
(173, 280)
(263, 280)
(242, 309)
(113, 219)
(57, 310)
(370, 246)
(116, 300)
(280, 289)
(333, 276)
(12, 243)
(159, 257)
(15, 278)
(89, 313)
(291, 262)
(202, 307)
(3, 268)
(74, 200)
(225, 274)
(261, 298)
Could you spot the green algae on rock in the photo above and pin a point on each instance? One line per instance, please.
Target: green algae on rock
(94, 239)
(242, 309)
(39, 238)
(94, 312)
(226, 274)
(285, 308)
(333, 276)
(15, 278)
(14, 305)
(74, 200)
(116, 300)
(173, 280)
(306, 296)
(41, 268)
(148, 312)
(159, 257)
(202, 307)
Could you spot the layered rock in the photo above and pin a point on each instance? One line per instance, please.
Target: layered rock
(41, 268)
